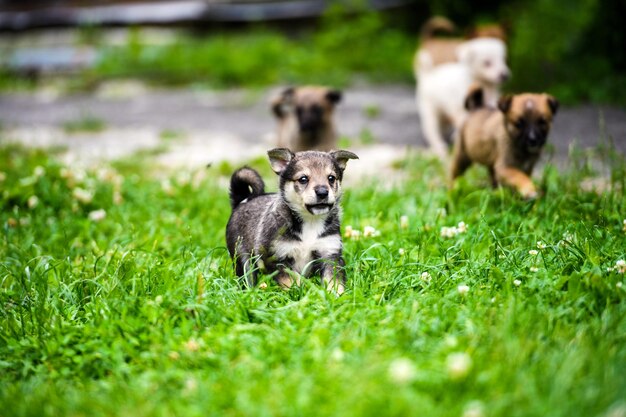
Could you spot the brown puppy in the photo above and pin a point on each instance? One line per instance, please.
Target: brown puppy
(507, 140)
(305, 118)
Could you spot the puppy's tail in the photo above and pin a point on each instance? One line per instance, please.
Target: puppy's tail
(475, 98)
(437, 25)
(245, 183)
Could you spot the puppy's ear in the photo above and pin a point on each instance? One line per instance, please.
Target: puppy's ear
(553, 103)
(342, 157)
(279, 159)
(281, 102)
(504, 103)
(334, 96)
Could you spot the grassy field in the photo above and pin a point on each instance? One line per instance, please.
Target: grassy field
(117, 297)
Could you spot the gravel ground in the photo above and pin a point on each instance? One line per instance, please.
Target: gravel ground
(237, 125)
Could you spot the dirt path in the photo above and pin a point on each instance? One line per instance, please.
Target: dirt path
(194, 128)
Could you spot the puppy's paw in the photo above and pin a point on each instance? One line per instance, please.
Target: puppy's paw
(335, 287)
(529, 193)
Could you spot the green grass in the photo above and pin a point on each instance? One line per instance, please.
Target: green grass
(86, 123)
(139, 313)
(261, 57)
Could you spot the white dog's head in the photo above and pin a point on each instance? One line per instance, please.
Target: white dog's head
(486, 58)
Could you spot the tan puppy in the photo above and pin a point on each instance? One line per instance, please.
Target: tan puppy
(305, 118)
(507, 140)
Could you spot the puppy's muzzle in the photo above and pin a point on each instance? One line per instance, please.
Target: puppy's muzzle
(322, 205)
(535, 139)
(321, 192)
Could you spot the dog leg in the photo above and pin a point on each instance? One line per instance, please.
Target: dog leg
(333, 276)
(432, 131)
(518, 180)
(492, 175)
(460, 162)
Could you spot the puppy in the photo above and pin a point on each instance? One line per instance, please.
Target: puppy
(441, 89)
(305, 118)
(507, 140)
(438, 43)
(295, 230)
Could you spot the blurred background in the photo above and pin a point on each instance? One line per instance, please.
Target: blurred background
(575, 50)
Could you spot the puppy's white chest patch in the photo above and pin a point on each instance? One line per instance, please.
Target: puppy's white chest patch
(310, 241)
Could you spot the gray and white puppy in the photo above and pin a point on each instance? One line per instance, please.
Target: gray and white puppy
(295, 230)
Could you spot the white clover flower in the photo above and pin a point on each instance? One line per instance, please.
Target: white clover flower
(404, 222)
(192, 345)
(167, 187)
(108, 174)
(97, 215)
(463, 289)
(73, 176)
(401, 251)
(347, 231)
(158, 299)
(191, 385)
(369, 231)
(39, 171)
(448, 232)
(541, 245)
(474, 409)
(517, 282)
(337, 354)
(533, 252)
(33, 201)
(624, 228)
(401, 371)
(82, 195)
(620, 266)
(458, 365)
(619, 284)
(426, 276)
(183, 178)
(461, 227)
(533, 269)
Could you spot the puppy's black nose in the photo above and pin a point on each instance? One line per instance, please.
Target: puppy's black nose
(321, 192)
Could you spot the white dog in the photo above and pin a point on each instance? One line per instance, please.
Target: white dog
(441, 89)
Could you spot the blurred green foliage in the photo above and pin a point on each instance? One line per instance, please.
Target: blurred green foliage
(575, 51)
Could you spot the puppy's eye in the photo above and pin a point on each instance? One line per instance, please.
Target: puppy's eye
(331, 179)
(303, 180)
(519, 124)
